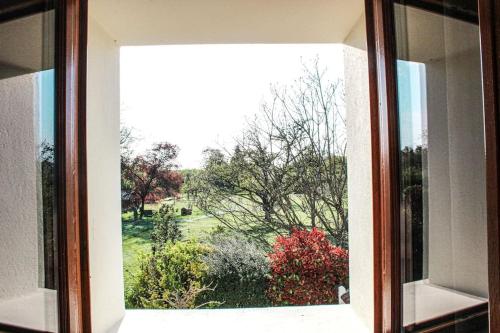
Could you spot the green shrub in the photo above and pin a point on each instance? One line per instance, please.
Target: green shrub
(238, 270)
(173, 277)
(165, 228)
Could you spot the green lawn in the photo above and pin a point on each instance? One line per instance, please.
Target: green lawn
(137, 234)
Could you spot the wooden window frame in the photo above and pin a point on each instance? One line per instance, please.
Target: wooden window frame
(384, 126)
(383, 106)
(70, 86)
(489, 25)
(71, 39)
(71, 68)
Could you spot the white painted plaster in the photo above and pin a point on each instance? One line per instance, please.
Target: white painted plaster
(160, 22)
(294, 319)
(357, 36)
(103, 176)
(22, 303)
(18, 176)
(359, 184)
(359, 166)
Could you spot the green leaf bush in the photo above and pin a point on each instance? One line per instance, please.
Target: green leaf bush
(238, 270)
(165, 228)
(231, 271)
(175, 270)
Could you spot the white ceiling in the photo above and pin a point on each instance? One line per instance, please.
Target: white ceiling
(157, 22)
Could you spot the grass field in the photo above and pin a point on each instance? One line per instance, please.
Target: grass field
(137, 234)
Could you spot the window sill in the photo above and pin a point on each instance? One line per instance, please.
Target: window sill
(36, 310)
(425, 301)
(300, 319)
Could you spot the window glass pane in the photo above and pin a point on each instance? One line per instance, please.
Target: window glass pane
(28, 233)
(442, 167)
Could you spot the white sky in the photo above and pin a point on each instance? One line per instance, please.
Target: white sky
(198, 96)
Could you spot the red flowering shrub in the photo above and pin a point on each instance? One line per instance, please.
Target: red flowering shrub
(306, 269)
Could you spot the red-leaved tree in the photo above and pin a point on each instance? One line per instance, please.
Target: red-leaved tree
(150, 177)
(306, 269)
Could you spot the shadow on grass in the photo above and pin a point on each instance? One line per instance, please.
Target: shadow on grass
(138, 229)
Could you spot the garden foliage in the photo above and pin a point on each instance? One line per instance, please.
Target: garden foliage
(149, 177)
(306, 269)
(174, 273)
(288, 167)
(239, 270)
(165, 228)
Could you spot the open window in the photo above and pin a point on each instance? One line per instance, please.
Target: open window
(28, 230)
(42, 274)
(435, 223)
(147, 48)
(442, 166)
(423, 156)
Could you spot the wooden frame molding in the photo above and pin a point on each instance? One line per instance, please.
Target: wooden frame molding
(73, 289)
(383, 104)
(82, 141)
(385, 169)
(489, 24)
(375, 142)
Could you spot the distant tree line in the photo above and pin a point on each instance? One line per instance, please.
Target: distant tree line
(412, 159)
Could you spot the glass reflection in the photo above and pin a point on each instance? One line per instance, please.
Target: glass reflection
(28, 233)
(442, 170)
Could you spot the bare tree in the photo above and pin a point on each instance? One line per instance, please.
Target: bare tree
(127, 138)
(242, 189)
(309, 121)
(288, 169)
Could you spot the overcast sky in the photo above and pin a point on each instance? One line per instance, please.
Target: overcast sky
(198, 96)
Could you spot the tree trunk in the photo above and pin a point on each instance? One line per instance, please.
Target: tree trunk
(313, 213)
(143, 202)
(267, 208)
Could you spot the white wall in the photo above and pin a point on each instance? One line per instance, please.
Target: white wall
(356, 37)
(22, 300)
(359, 166)
(18, 181)
(104, 206)
(457, 188)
